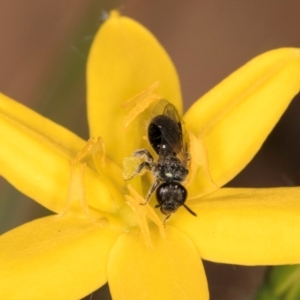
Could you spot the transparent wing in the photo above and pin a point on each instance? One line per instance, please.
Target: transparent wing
(171, 130)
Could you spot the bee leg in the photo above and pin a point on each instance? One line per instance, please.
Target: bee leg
(167, 215)
(144, 153)
(151, 190)
(147, 164)
(143, 165)
(166, 219)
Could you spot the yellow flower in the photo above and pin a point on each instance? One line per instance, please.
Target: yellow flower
(68, 257)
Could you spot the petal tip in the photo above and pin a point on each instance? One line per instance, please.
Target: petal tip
(114, 14)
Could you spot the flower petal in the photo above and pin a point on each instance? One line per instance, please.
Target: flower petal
(245, 226)
(170, 268)
(125, 59)
(13, 110)
(35, 156)
(54, 258)
(237, 115)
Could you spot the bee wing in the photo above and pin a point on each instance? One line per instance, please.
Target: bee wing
(173, 133)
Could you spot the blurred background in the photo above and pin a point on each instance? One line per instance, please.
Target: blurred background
(43, 51)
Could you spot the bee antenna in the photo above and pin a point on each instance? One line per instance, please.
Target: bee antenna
(189, 210)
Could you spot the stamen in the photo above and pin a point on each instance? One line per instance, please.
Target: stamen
(76, 193)
(139, 103)
(140, 217)
(142, 211)
(198, 158)
(76, 190)
(93, 148)
(140, 96)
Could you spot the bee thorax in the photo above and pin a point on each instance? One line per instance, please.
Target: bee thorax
(170, 169)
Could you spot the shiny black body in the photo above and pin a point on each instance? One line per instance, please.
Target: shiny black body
(166, 138)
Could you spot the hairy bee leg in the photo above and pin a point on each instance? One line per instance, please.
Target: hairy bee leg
(143, 165)
(147, 164)
(151, 190)
(140, 153)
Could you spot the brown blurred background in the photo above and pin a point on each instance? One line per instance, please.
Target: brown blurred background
(43, 50)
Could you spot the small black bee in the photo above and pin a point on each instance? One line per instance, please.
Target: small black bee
(166, 138)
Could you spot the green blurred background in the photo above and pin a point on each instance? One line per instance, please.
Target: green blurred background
(43, 51)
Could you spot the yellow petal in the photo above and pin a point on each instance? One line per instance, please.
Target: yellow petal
(54, 258)
(235, 117)
(125, 59)
(41, 125)
(245, 226)
(35, 156)
(168, 269)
